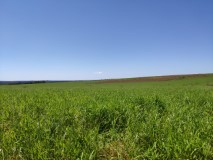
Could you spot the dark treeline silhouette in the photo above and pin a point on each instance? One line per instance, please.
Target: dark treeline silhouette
(21, 82)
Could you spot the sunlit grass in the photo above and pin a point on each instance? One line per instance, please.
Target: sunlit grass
(107, 121)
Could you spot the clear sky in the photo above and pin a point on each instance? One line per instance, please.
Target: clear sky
(96, 39)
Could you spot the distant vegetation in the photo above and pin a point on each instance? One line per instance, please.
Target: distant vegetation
(21, 82)
(170, 119)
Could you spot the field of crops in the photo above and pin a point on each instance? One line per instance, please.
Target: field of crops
(90, 120)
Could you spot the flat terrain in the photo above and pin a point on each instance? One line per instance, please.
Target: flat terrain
(166, 117)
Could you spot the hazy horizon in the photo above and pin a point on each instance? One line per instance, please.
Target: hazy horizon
(54, 80)
(90, 40)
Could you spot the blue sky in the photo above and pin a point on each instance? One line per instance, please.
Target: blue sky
(81, 39)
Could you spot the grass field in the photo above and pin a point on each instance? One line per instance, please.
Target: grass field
(88, 120)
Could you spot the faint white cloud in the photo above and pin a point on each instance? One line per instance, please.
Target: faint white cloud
(98, 72)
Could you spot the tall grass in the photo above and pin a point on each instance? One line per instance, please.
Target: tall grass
(106, 123)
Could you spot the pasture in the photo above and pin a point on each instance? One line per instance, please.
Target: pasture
(129, 120)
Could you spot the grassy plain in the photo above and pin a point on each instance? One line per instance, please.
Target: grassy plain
(93, 120)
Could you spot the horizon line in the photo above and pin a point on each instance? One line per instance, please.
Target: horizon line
(106, 78)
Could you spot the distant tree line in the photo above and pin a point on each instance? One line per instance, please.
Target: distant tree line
(25, 82)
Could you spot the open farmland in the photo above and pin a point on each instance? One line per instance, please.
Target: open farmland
(170, 119)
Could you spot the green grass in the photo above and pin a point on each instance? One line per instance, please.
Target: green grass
(90, 120)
